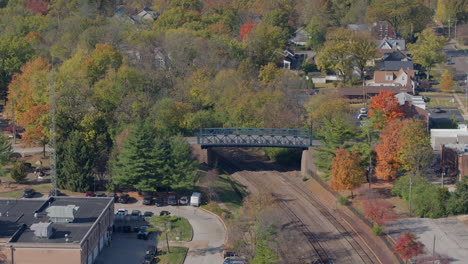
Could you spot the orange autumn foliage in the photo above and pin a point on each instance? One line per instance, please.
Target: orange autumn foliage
(244, 30)
(346, 172)
(387, 151)
(388, 104)
(28, 97)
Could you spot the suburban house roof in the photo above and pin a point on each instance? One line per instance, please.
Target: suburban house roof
(441, 137)
(417, 101)
(146, 14)
(370, 91)
(390, 43)
(395, 55)
(382, 29)
(393, 78)
(300, 37)
(395, 65)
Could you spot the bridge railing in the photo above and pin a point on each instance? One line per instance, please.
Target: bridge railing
(265, 137)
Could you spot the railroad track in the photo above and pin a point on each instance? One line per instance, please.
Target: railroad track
(322, 254)
(348, 235)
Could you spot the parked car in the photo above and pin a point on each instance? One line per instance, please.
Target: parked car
(164, 213)
(122, 212)
(195, 199)
(100, 194)
(148, 214)
(171, 200)
(438, 110)
(114, 196)
(363, 111)
(150, 259)
(28, 193)
(136, 214)
(90, 194)
(147, 200)
(124, 198)
(183, 200)
(159, 201)
(143, 233)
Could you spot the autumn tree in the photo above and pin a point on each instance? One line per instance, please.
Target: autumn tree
(263, 42)
(446, 81)
(427, 51)
(385, 102)
(408, 246)
(415, 152)
(343, 49)
(379, 211)
(245, 30)
(38, 6)
(387, 151)
(14, 52)
(346, 172)
(102, 58)
(404, 15)
(28, 99)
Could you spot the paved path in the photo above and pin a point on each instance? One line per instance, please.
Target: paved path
(451, 236)
(209, 236)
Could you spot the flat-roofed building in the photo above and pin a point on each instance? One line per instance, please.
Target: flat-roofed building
(55, 231)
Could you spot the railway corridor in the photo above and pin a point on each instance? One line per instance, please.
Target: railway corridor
(331, 240)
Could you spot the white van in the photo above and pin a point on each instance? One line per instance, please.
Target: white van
(195, 199)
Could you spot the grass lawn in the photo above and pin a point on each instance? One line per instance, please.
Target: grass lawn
(442, 102)
(176, 256)
(226, 189)
(180, 228)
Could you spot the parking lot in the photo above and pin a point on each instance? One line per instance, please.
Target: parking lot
(125, 248)
(206, 246)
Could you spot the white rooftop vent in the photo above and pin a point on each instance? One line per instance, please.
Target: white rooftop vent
(42, 230)
(462, 127)
(62, 214)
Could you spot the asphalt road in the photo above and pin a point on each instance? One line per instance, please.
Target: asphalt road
(206, 247)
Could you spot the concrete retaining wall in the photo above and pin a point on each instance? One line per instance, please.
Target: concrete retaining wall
(307, 163)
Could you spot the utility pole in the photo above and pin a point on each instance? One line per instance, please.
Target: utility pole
(14, 121)
(410, 196)
(455, 26)
(449, 28)
(433, 251)
(53, 143)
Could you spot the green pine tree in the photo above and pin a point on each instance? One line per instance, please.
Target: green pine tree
(5, 152)
(75, 164)
(139, 163)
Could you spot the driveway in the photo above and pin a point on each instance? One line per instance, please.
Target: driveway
(209, 233)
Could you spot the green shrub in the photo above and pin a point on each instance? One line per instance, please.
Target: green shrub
(343, 200)
(377, 229)
(19, 172)
(305, 179)
(284, 156)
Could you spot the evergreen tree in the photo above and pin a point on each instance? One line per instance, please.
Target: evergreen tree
(75, 164)
(183, 168)
(137, 164)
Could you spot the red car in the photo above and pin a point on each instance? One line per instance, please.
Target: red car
(90, 194)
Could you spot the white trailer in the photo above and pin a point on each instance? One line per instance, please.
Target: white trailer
(195, 199)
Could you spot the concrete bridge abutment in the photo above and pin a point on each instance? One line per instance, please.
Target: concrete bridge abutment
(308, 167)
(203, 155)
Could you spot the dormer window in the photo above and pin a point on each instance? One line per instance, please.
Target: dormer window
(389, 77)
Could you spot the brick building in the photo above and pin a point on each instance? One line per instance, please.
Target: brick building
(54, 231)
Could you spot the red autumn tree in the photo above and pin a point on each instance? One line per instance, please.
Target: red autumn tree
(407, 246)
(28, 98)
(379, 211)
(386, 102)
(245, 30)
(38, 6)
(387, 151)
(346, 172)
